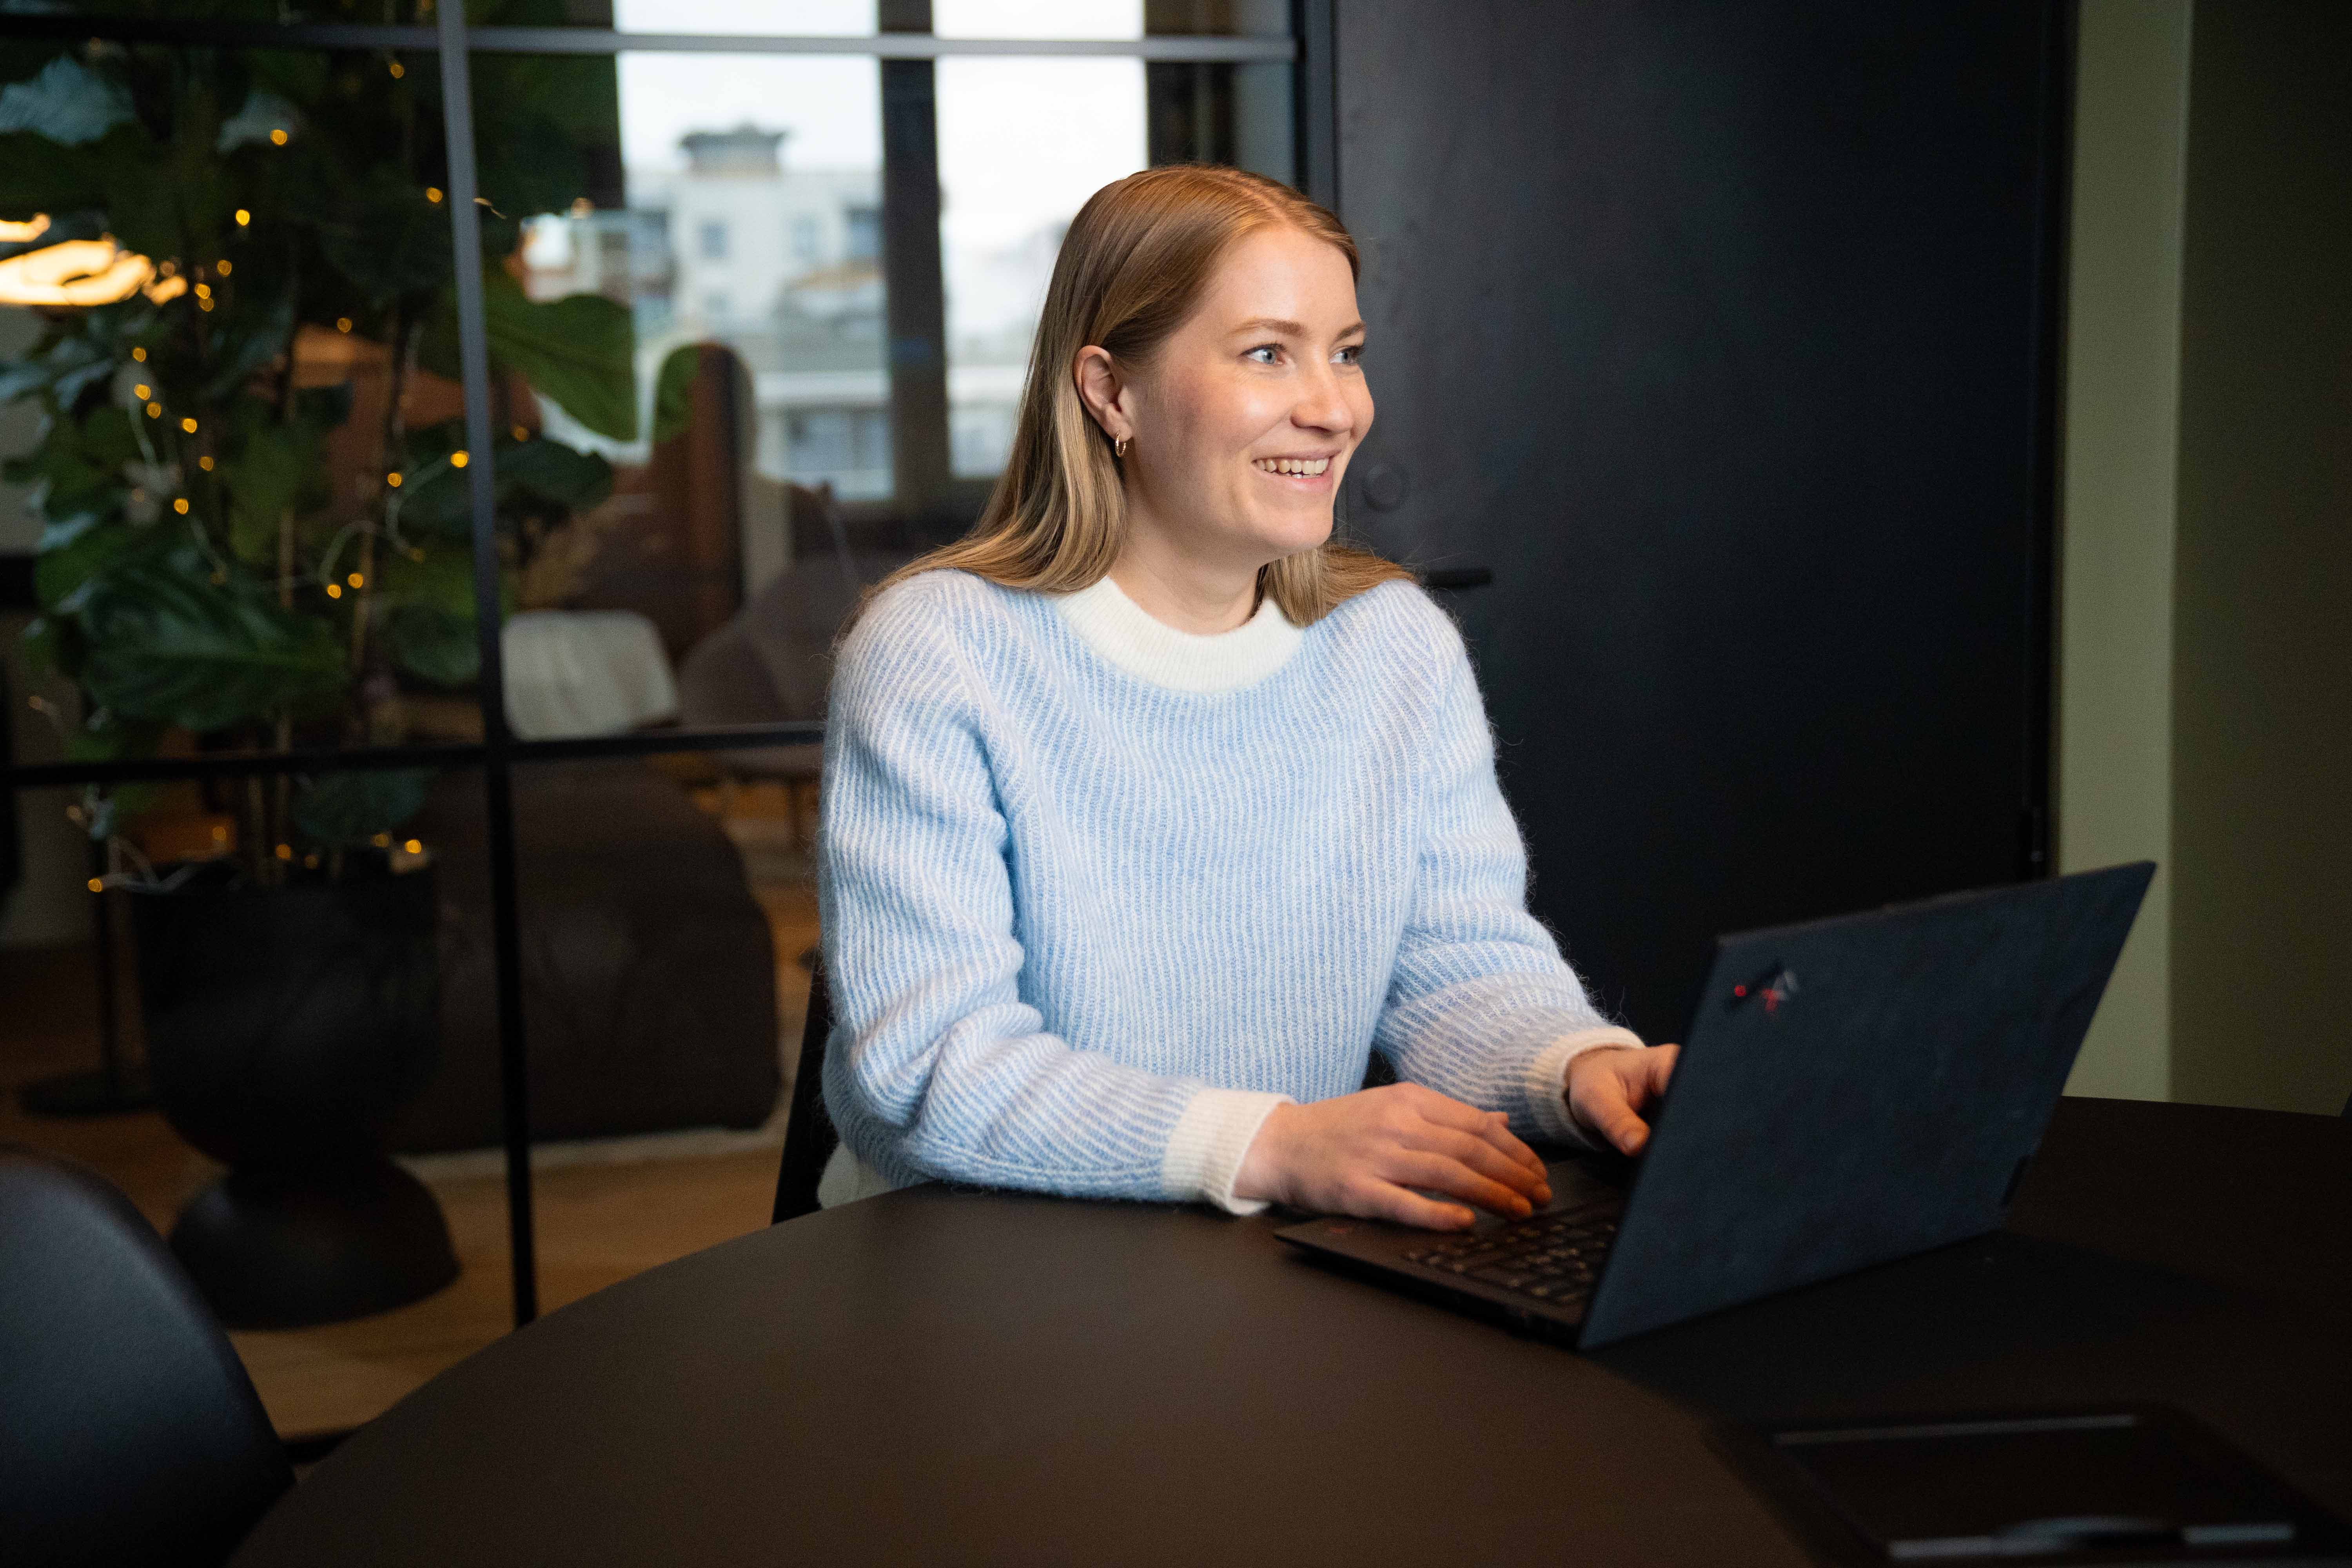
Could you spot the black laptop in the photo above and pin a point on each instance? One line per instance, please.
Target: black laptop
(1850, 1092)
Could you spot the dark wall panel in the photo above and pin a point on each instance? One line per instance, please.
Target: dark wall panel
(1718, 332)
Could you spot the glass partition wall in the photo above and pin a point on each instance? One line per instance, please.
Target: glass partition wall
(440, 453)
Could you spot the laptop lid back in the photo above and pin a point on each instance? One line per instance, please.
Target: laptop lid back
(1858, 1089)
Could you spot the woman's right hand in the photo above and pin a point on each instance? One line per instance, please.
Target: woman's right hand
(1364, 1153)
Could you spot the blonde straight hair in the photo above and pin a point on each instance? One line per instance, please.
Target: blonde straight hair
(1131, 269)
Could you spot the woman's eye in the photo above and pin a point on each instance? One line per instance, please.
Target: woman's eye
(1352, 354)
(1264, 353)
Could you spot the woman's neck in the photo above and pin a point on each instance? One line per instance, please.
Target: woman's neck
(1183, 591)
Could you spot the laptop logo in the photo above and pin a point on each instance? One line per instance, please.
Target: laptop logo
(1775, 987)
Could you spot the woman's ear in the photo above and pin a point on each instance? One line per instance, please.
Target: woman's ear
(1103, 391)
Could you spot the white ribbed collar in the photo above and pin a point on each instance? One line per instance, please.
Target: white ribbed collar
(1123, 632)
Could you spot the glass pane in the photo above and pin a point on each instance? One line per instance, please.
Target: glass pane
(1022, 144)
(1038, 18)
(1109, 18)
(1222, 114)
(1248, 18)
(801, 19)
(153, 1033)
(668, 904)
(247, 347)
(677, 519)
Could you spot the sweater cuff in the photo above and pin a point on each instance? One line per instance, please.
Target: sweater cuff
(1547, 1080)
(1211, 1140)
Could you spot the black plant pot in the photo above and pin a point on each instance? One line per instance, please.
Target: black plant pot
(285, 1027)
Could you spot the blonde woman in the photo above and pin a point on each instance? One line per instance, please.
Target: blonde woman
(1150, 810)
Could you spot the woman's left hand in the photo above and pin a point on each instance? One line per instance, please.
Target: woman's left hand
(1610, 1087)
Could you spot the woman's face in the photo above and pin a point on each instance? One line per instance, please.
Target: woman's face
(1243, 422)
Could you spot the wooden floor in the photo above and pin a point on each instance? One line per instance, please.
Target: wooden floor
(604, 1211)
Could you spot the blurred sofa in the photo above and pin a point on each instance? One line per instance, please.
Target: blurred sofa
(648, 973)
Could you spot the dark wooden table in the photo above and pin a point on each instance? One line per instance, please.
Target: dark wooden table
(946, 1376)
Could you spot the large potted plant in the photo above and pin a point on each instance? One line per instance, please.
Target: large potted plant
(259, 535)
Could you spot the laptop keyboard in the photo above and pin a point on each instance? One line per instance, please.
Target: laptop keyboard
(1553, 1257)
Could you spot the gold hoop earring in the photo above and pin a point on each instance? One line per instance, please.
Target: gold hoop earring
(1118, 447)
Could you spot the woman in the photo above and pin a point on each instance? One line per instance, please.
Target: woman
(1150, 811)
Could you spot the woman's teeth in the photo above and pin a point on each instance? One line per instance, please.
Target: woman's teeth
(1293, 465)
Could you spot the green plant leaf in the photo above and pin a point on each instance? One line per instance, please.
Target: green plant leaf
(345, 811)
(146, 197)
(434, 646)
(246, 340)
(63, 368)
(552, 472)
(264, 112)
(441, 502)
(76, 550)
(69, 103)
(169, 643)
(384, 236)
(263, 479)
(107, 810)
(580, 349)
(443, 580)
(674, 392)
(37, 176)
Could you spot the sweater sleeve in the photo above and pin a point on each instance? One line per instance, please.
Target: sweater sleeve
(1481, 1005)
(936, 1066)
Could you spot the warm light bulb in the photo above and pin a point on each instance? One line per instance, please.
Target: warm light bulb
(286, 851)
(243, 217)
(139, 354)
(356, 580)
(142, 392)
(96, 886)
(204, 291)
(398, 71)
(74, 272)
(222, 267)
(179, 505)
(392, 479)
(277, 137)
(188, 425)
(458, 459)
(415, 847)
(334, 590)
(154, 411)
(205, 464)
(204, 305)
(381, 841)
(433, 193)
(520, 433)
(342, 323)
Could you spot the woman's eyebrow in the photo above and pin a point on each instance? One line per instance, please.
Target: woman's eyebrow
(1285, 329)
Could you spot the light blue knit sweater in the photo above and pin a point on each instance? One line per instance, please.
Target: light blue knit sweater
(1097, 894)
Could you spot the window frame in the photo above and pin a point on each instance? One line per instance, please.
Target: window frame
(930, 497)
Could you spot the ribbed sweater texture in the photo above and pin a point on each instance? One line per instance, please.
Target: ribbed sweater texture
(1097, 894)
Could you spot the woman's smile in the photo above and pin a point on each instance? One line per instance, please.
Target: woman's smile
(1304, 473)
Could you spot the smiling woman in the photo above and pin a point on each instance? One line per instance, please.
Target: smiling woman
(1150, 810)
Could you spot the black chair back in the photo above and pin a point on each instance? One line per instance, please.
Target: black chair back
(809, 1136)
(129, 1431)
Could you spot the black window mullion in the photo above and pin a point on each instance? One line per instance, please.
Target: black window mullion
(498, 774)
(914, 279)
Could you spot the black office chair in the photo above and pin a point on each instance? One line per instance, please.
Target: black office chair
(809, 1136)
(128, 1432)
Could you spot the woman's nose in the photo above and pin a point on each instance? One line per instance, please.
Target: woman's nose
(1322, 405)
